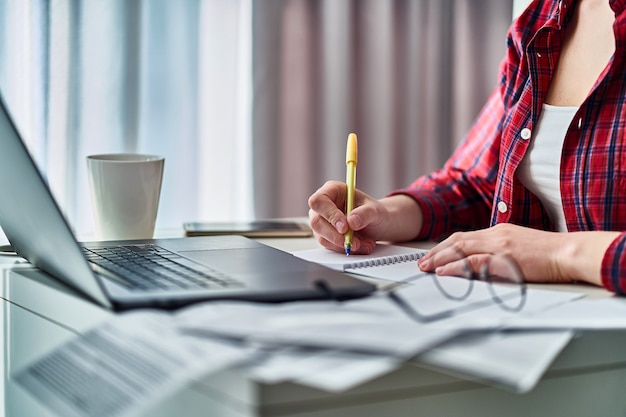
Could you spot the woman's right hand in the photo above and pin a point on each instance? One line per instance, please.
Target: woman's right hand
(371, 220)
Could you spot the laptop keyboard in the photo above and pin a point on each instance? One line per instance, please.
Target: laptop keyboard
(148, 267)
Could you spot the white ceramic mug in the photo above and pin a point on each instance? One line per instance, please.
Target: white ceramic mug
(125, 190)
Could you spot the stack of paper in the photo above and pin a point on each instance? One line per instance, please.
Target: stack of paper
(326, 344)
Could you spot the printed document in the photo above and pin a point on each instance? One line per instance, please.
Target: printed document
(124, 366)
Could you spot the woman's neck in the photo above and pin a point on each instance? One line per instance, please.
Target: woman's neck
(588, 45)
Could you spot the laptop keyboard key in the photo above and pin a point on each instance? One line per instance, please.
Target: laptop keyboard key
(144, 267)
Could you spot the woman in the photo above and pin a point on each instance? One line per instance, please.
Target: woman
(541, 176)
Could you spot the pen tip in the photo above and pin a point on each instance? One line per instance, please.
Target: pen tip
(347, 250)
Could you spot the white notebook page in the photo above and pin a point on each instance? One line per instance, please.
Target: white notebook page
(388, 262)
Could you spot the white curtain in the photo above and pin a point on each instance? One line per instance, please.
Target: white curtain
(154, 76)
(250, 101)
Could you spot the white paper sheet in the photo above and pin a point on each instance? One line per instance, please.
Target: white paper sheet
(124, 366)
(514, 360)
(372, 324)
(329, 370)
(597, 314)
(478, 311)
(138, 358)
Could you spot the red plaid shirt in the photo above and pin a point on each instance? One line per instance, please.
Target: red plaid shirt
(477, 187)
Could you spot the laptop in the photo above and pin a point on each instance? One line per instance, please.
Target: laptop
(181, 271)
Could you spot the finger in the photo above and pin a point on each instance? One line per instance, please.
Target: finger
(440, 256)
(324, 231)
(450, 241)
(328, 202)
(465, 243)
(363, 215)
(458, 268)
(359, 247)
(466, 267)
(329, 245)
(362, 245)
(426, 262)
(501, 269)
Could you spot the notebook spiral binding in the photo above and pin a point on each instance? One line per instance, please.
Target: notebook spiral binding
(385, 260)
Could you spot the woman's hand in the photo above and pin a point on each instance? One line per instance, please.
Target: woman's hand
(541, 256)
(392, 218)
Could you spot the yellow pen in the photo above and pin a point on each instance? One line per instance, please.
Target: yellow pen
(351, 161)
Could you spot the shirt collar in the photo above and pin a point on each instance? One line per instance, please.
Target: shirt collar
(618, 6)
(560, 12)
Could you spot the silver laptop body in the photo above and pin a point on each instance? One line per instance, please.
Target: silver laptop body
(38, 231)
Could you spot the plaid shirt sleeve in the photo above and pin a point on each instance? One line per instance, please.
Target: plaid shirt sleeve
(481, 172)
(614, 266)
(459, 196)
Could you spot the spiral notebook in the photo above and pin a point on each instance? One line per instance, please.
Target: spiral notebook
(387, 262)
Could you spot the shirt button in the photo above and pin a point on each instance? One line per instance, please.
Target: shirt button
(502, 208)
(525, 133)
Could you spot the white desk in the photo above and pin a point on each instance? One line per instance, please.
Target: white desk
(587, 379)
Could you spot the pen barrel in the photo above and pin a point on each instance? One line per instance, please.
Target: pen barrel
(348, 239)
(351, 161)
(351, 185)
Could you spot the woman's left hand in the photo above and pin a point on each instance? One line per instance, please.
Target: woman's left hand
(541, 256)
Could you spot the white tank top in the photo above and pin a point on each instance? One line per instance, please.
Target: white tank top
(540, 169)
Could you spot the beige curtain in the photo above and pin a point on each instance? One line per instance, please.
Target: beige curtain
(408, 76)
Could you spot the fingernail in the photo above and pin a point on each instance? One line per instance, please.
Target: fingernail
(424, 264)
(340, 226)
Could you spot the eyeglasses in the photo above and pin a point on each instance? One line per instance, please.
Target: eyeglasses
(500, 273)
